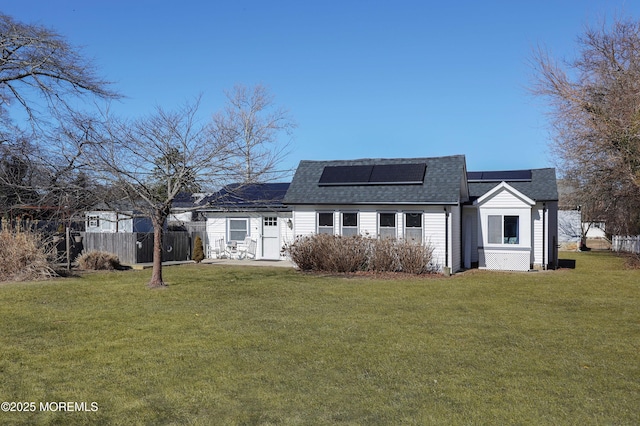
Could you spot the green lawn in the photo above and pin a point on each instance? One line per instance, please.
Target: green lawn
(227, 345)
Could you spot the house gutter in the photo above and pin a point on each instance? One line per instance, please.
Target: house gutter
(544, 233)
(373, 203)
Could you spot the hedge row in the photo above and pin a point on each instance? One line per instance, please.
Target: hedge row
(335, 253)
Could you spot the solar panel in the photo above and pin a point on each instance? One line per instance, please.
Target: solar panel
(398, 173)
(380, 174)
(499, 176)
(340, 175)
(471, 176)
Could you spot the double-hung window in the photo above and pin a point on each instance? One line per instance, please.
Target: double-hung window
(325, 223)
(387, 225)
(238, 229)
(349, 224)
(503, 229)
(413, 227)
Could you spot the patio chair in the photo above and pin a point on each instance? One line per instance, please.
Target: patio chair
(220, 249)
(251, 249)
(248, 249)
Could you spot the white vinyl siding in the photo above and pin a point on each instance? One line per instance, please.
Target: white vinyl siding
(368, 222)
(304, 222)
(434, 233)
(455, 236)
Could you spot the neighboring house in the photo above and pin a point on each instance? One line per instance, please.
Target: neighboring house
(184, 207)
(112, 221)
(254, 211)
(569, 229)
(494, 220)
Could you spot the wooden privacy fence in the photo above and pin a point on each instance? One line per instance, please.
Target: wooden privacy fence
(627, 244)
(137, 247)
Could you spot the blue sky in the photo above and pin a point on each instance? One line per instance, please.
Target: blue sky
(361, 78)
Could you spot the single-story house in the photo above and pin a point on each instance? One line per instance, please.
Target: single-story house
(496, 220)
(502, 220)
(252, 211)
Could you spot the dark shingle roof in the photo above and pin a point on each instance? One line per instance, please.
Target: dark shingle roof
(541, 187)
(444, 183)
(187, 200)
(252, 196)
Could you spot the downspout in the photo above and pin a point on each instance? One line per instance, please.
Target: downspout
(446, 238)
(544, 234)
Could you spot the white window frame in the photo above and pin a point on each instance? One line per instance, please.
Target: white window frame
(493, 220)
(93, 221)
(325, 229)
(270, 221)
(230, 231)
(387, 229)
(350, 229)
(421, 228)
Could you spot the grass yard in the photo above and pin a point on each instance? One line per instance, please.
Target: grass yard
(227, 345)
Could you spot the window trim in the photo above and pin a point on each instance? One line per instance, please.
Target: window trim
(270, 221)
(355, 228)
(93, 221)
(503, 229)
(324, 227)
(395, 224)
(247, 228)
(421, 227)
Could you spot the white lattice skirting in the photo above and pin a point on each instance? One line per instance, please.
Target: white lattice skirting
(505, 260)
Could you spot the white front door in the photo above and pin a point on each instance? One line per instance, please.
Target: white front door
(270, 238)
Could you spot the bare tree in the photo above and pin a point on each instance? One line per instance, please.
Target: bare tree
(595, 116)
(152, 159)
(36, 61)
(253, 126)
(37, 64)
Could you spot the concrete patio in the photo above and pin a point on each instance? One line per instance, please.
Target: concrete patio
(234, 262)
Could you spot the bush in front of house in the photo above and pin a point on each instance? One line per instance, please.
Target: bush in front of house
(25, 255)
(414, 258)
(383, 256)
(95, 260)
(339, 254)
(329, 253)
